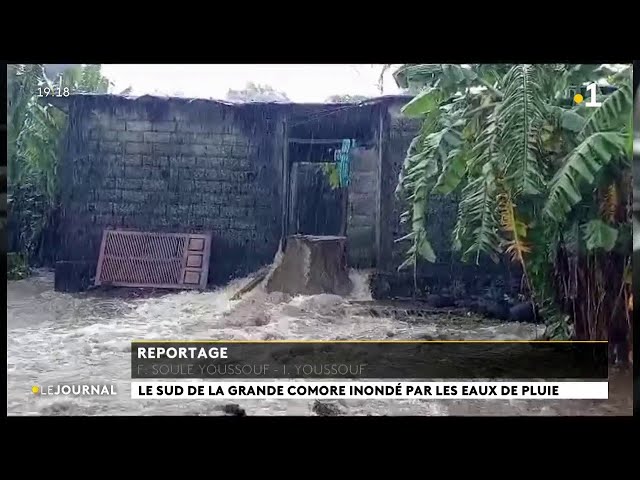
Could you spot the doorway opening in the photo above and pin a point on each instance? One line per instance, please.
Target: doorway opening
(317, 138)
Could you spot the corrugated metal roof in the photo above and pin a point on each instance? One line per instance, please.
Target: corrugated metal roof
(62, 101)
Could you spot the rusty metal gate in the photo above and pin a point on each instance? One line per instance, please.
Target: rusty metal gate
(159, 260)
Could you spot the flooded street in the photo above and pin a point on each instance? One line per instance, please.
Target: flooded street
(85, 338)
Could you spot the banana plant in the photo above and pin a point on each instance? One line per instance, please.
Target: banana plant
(525, 163)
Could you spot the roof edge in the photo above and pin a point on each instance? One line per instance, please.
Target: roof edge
(63, 102)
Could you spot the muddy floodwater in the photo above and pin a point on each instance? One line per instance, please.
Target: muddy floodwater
(58, 338)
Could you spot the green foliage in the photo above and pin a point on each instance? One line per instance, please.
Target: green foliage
(83, 79)
(598, 234)
(422, 103)
(519, 117)
(572, 121)
(332, 171)
(558, 327)
(581, 168)
(476, 231)
(34, 133)
(613, 114)
(17, 266)
(524, 160)
(22, 82)
(37, 146)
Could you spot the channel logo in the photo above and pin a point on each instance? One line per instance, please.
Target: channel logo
(82, 390)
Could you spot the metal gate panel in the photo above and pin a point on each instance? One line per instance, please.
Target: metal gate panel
(159, 260)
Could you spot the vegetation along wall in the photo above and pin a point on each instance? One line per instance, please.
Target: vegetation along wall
(448, 272)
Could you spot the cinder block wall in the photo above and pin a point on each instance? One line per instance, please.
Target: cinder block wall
(173, 165)
(363, 206)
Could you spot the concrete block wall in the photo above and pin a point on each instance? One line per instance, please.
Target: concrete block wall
(201, 166)
(362, 208)
(167, 165)
(398, 133)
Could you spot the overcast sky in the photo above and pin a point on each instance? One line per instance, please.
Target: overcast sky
(301, 83)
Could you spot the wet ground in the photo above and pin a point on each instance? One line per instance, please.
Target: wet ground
(58, 338)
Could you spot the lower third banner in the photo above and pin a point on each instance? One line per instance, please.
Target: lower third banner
(314, 390)
(365, 359)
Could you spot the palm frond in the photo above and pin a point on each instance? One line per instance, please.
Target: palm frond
(516, 246)
(476, 230)
(447, 78)
(613, 114)
(599, 235)
(471, 149)
(419, 181)
(520, 116)
(453, 172)
(477, 224)
(38, 148)
(426, 157)
(579, 170)
(423, 103)
(24, 81)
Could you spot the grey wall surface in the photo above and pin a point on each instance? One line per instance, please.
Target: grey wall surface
(363, 206)
(171, 165)
(196, 166)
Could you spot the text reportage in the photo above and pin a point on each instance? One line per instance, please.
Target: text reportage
(182, 352)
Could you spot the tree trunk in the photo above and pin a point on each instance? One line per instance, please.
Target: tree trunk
(592, 290)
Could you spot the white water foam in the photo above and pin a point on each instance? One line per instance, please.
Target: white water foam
(60, 338)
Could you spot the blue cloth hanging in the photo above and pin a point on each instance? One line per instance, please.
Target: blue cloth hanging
(343, 158)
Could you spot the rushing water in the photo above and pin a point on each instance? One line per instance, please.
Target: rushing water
(56, 338)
